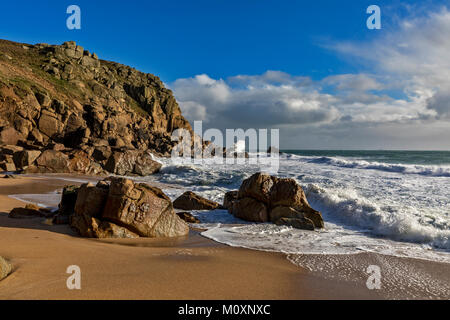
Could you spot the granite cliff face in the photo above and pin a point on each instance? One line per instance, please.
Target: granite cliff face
(64, 110)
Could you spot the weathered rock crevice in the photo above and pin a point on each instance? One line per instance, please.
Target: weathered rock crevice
(264, 198)
(64, 96)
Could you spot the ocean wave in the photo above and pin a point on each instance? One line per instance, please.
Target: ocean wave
(404, 215)
(333, 240)
(435, 171)
(192, 175)
(348, 207)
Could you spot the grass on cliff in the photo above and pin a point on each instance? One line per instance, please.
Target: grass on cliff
(21, 86)
(136, 107)
(60, 85)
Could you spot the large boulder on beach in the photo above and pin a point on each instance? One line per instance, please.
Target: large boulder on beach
(91, 227)
(288, 193)
(249, 209)
(263, 198)
(142, 209)
(132, 162)
(5, 268)
(257, 187)
(91, 200)
(229, 199)
(88, 210)
(120, 208)
(191, 201)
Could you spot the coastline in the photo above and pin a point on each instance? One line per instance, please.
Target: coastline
(186, 268)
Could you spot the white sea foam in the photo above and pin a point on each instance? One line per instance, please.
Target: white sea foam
(395, 211)
(400, 210)
(49, 200)
(430, 170)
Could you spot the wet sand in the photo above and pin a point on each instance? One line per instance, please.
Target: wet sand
(190, 268)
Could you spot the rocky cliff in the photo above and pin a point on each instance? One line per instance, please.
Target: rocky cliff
(62, 109)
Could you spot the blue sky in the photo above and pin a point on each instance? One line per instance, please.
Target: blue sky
(177, 39)
(310, 68)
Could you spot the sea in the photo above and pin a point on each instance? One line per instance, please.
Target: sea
(381, 209)
(388, 202)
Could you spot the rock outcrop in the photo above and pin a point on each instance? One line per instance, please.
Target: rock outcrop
(67, 205)
(145, 210)
(5, 268)
(132, 162)
(120, 208)
(30, 211)
(63, 110)
(188, 217)
(229, 199)
(263, 198)
(191, 201)
(250, 209)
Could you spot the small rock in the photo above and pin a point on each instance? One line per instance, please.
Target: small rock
(10, 176)
(298, 223)
(188, 217)
(191, 201)
(5, 268)
(30, 211)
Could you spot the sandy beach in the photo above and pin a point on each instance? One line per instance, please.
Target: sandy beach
(184, 268)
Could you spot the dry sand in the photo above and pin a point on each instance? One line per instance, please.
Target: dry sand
(188, 268)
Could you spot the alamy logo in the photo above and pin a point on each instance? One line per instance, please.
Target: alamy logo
(74, 20)
(198, 147)
(74, 281)
(374, 280)
(374, 21)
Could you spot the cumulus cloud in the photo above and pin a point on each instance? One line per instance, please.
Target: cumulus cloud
(353, 82)
(414, 57)
(408, 86)
(271, 99)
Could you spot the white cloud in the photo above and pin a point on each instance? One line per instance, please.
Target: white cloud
(271, 99)
(413, 61)
(353, 82)
(416, 55)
